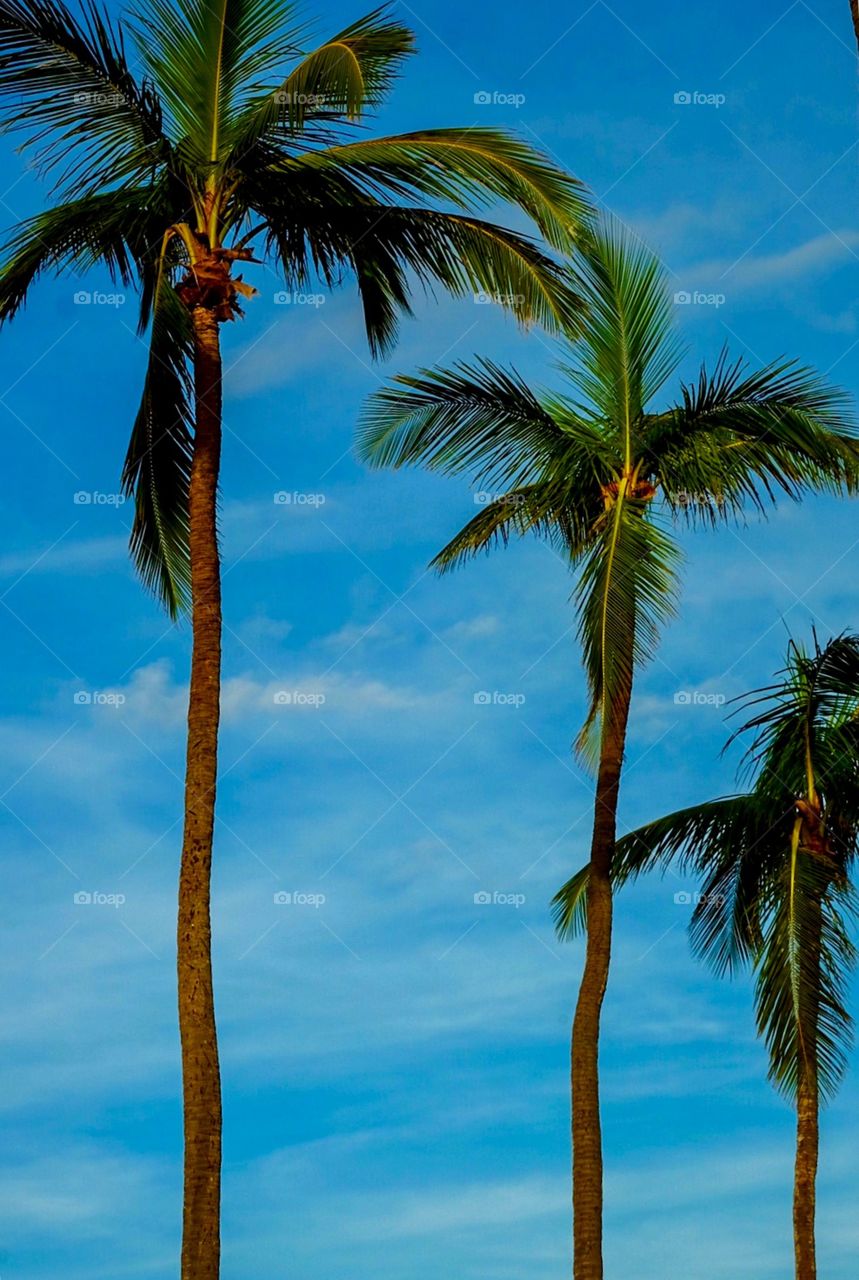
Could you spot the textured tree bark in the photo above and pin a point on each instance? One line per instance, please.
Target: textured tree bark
(586, 1128)
(201, 1081)
(807, 1140)
(805, 1179)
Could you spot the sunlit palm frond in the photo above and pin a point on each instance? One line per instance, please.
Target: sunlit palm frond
(466, 167)
(802, 975)
(740, 439)
(66, 85)
(389, 250)
(211, 60)
(111, 229)
(570, 905)
(628, 346)
(626, 592)
(347, 75)
(776, 863)
(157, 467)
(542, 509)
(476, 418)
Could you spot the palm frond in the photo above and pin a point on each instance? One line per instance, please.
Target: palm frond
(740, 439)
(112, 229)
(157, 467)
(542, 509)
(349, 74)
(570, 905)
(626, 592)
(477, 418)
(466, 167)
(210, 62)
(802, 976)
(65, 83)
(628, 347)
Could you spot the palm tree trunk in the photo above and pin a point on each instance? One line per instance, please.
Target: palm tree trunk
(805, 1178)
(586, 1130)
(854, 10)
(201, 1079)
(807, 1136)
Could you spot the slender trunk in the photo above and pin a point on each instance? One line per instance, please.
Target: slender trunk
(854, 10)
(586, 1131)
(807, 1140)
(201, 1081)
(805, 1178)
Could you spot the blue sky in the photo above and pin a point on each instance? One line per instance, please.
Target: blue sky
(395, 1055)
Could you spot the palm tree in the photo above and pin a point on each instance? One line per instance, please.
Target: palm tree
(777, 894)
(233, 145)
(584, 468)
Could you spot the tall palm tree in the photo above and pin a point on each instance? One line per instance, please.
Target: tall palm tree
(777, 894)
(597, 469)
(220, 141)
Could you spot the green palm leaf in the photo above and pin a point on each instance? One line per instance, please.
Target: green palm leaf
(65, 83)
(626, 592)
(462, 166)
(157, 469)
(240, 133)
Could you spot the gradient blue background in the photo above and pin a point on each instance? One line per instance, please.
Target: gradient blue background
(395, 1059)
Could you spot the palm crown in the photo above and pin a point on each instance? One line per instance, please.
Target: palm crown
(217, 151)
(597, 468)
(776, 862)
